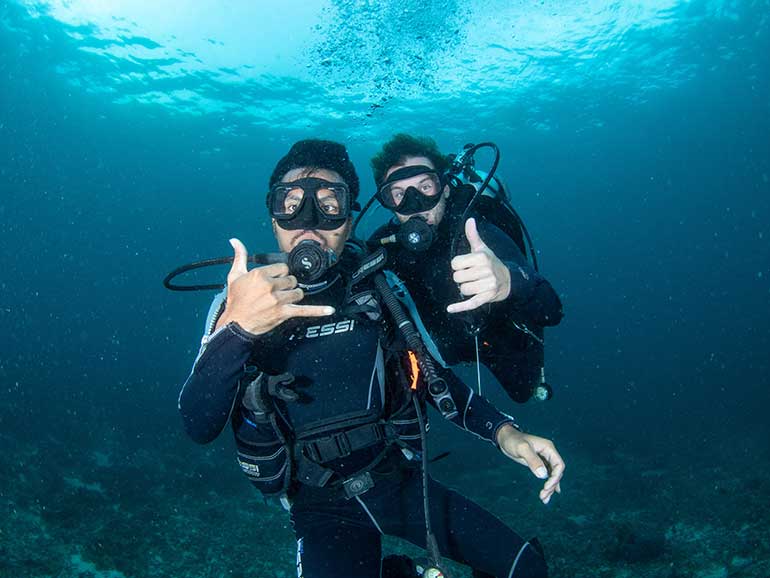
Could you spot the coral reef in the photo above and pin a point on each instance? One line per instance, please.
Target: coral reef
(119, 510)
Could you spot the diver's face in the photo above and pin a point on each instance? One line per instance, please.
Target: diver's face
(433, 216)
(334, 239)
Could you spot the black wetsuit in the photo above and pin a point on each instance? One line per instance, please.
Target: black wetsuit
(513, 356)
(350, 373)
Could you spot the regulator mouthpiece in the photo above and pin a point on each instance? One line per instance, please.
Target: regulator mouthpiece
(415, 234)
(308, 261)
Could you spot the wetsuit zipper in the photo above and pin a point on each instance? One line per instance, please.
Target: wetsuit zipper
(215, 317)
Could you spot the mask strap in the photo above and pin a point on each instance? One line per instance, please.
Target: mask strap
(407, 172)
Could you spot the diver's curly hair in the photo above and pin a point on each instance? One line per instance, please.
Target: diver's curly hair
(402, 145)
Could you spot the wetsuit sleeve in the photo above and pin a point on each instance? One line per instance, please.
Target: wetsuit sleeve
(532, 298)
(210, 392)
(475, 413)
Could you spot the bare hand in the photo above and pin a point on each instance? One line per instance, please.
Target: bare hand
(261, 299)
(480, 274)
(538, 454)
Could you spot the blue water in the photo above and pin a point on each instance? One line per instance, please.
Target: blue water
(635, 137)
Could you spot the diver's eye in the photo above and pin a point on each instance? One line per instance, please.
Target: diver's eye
(291, 203)
(329, 203)
(429, 187)
(397, 195)
(330, 208)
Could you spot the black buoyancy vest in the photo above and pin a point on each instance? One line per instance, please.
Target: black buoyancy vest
(339, 369)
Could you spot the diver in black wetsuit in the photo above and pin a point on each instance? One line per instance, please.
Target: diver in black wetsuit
(316, 385)
(512, 301)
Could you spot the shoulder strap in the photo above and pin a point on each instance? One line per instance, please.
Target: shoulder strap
(370, 264)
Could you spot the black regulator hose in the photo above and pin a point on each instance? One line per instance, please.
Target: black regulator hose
(260, 259)
(437, 388)
(431, 544)
(361, 215)
(460, 164)
(464, 162)
(308, 261)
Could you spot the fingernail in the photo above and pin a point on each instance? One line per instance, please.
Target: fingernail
(541, 472)
(330, 310)
(548, 499)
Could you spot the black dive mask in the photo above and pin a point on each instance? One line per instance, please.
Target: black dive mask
(422, 194)
(310, 204)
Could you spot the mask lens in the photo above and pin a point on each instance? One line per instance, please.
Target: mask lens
(331, 201)
(286, 200)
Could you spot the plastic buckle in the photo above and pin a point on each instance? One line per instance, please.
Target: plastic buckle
(310, 449)
(357, 485)
(343, 444)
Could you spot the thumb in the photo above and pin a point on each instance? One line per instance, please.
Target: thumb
(472, 234)
(239, 260)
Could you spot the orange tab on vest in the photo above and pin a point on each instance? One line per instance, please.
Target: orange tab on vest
(414, 369)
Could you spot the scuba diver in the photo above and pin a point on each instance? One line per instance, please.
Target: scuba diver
(325, 386)
(455, 229)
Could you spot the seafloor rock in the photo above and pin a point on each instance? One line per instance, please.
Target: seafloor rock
(636, 544)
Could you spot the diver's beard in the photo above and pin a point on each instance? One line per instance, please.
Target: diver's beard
(427, 216)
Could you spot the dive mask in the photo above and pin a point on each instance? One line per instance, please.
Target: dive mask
(310, 203)
(420, 195)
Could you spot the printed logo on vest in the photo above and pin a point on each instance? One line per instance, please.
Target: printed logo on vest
(329, 329)
(249, 469)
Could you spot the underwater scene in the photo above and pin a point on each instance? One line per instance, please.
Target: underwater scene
(634, 142)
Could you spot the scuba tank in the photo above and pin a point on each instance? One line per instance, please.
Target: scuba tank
(485, 194)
